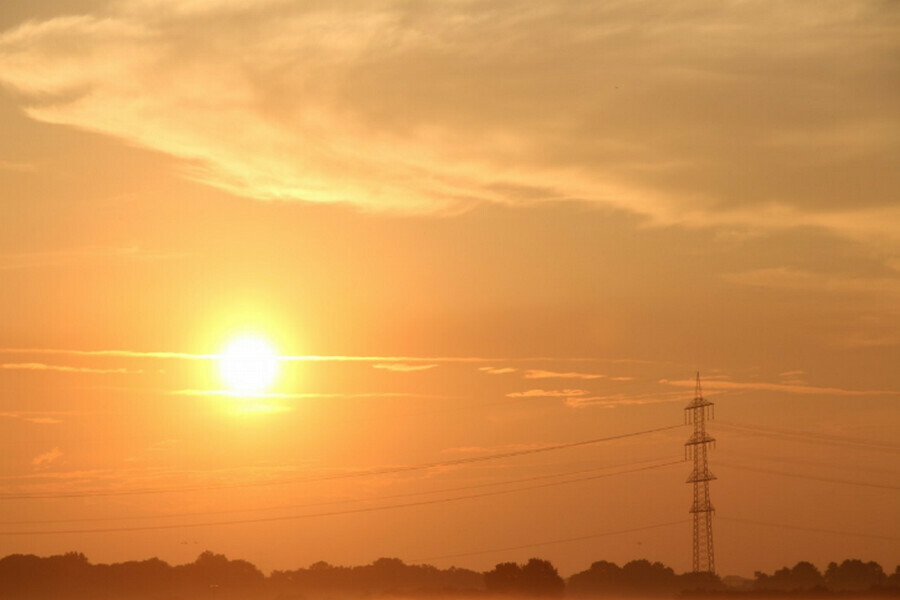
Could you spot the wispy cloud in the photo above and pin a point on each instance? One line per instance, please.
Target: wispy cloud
(386, 359)
(119, 353)
(788, 278)
(71, 256)
(617, 400)
(43, 460)
(788, 388)
(61, 368)
(494, 449)
(17, 166)
(298, 396)
(868, 311)
(796, 377)
(794, 373)
(426, 359)
(540, 374)
(299, 101)
(497, 370)
(38, 418)
(403, 367)
(538, 393)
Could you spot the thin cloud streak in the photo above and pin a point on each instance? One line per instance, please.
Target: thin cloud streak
(62, 368)
(72, 256)
(17, 166)
(402, 368)
(314, 357)
(497, 370)
(495, 449)
(119, 353)
(42, 461)
(788, 388)
(539, 393)
(37, 418)
(539, 374)
(788, 278)
(617, 400)
(298, 396)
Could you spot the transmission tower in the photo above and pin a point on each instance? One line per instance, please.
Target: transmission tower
(696, 413)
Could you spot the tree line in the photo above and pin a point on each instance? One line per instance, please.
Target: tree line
(212, 575)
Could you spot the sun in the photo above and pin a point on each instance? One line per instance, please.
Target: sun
(248, 365)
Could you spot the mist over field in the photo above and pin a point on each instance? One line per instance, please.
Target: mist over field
(215, 576)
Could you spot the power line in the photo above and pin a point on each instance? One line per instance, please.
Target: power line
(806, 436)
(375, 498)
(812, 529)
(806, 463)
(559, 541)
(335, 476)
(883, 486)
(321, 514)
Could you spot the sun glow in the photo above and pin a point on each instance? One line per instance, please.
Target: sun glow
(248, 365)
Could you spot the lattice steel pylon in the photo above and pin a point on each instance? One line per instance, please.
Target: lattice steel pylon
(696, 413)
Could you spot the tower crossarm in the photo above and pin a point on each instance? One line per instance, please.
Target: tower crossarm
(707, 476)
(699, 437)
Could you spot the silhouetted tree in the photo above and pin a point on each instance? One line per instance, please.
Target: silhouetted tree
(132, 578)
(803, 576)
(384, 576)
(505, 578)
(854, 574)
(67, 574)
(638, 577)
(602, 576)
(215, 572)
(537, 577)
(388, 575)
(649, 577)
(894, 580)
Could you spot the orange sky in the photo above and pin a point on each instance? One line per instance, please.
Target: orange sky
(471, 229)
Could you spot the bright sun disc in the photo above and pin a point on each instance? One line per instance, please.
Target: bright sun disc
(248, 365)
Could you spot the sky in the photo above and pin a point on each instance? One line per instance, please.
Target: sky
(476, 234)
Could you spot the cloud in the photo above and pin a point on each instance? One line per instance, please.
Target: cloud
(43, 420)
(868, 311)
(16, 166)
(402, 367)
(61, 368)
(298, 396)
(43, 460)
(538, 393)
(59, 258)
(742, 114)
(788, 388)
(294, 358)
(796, 377)
(119, 353)
(794, 373)
(787, 278)
(497, 370)
(617, 400)
(494, 449)
(36, 418)
(540, 374)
